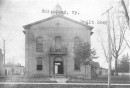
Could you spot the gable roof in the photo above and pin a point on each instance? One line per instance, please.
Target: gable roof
(103, 68)
(49, 18)
(95, 64)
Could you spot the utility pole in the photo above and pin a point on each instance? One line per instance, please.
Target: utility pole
(3, 52)
(109, 48)
(12, 67)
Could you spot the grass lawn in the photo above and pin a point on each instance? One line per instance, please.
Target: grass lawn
(118, 79)
(114, 79)
(58, 86)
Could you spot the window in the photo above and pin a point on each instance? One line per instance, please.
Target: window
(39, 44)
(58, 42)
(76, 40)
(39, 63)
(76, 65)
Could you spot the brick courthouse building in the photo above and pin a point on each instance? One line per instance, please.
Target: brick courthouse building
(49, 46)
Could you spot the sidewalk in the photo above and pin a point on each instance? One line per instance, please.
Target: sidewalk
(119, 79)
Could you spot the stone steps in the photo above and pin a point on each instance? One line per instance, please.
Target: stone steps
(59, 79)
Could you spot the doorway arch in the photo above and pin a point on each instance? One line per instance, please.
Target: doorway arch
(58, 65)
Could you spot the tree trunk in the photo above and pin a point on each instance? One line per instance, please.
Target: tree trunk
(85, 71)
(116, 73)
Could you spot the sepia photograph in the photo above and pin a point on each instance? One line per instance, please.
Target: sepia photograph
(64, 44)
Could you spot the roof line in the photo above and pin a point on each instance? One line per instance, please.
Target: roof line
(46, 19)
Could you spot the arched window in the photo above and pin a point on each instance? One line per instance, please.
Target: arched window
(58, 42)
(76, 40)
(39, 44)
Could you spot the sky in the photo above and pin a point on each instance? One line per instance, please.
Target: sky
(14, 14)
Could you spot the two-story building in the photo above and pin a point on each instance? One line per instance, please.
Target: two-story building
(49, 46)
(14, 69)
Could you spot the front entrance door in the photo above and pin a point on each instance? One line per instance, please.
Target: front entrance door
(58, 67)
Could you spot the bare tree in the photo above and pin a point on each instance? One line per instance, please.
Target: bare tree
(125, 11)
(126, 16)
(117, 41)
(104, 49)
(117, 33)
